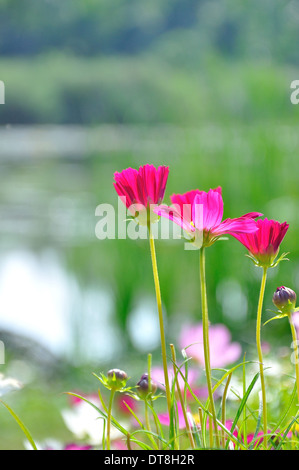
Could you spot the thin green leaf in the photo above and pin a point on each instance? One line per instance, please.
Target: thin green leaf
(277, 317)
(21, 425)
(228, 372)
(287, 409)
(231, 436)
(243, 403)
(147, 432)
(173, 418)
(156, 418)
(134, 414)
(115, 423)
(258, 425)
(295, 419)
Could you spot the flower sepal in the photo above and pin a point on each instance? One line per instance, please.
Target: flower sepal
(279, 316)
(268, 262)
(210, 240)
(115, 380)
(281, 258)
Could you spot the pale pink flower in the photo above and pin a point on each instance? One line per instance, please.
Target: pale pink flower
(222, 351)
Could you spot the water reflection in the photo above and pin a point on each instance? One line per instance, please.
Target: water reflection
(41, 302)
(34, 296)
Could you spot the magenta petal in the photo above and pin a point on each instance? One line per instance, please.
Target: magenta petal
(144, 186)
(211, 209)
(253, 215)
(264, 243)
(238, 225)
(185, 202)
(174, 214)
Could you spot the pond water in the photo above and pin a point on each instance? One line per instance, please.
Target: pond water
(48, 197)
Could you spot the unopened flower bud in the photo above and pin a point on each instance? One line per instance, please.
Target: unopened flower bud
(143, 388)
(284, 299)
(117, 378)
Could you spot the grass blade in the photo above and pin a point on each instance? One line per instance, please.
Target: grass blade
(243, 403)
(21, 425)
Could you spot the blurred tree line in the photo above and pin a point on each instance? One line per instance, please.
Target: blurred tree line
(131, 61)
(239, 28)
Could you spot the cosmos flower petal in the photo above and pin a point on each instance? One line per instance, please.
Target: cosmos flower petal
(174, 214)
(264, 244)
(144, 186)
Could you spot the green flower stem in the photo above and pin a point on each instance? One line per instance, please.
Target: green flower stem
(148, 426)
(175, 370)
(223, 413)
(259, 351)
(109, 418)
(205, 324)
(295, 344)
(150, 398)
(159, 305)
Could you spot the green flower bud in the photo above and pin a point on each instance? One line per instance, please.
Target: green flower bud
(143, 388)
(284, 299)
(116, 379)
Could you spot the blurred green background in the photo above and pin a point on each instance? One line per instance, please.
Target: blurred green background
(95, 86)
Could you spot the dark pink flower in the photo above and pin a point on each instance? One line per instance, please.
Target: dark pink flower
(200, 214)
(263, 245)
(222, 351)
(139, 189)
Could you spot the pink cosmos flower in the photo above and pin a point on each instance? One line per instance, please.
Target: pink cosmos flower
(164, 417)
(222, 351)
(200, 214)
(121, 401)
(139, 189)
(263, 245)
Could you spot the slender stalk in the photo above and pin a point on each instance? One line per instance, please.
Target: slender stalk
(109, 418)
(189, 430)
(205, 325)
(148, 426)
(161, 323)
(259, 351)
(200, 417)
(150, 398)
(296, 353)
(244, 411)
(223, 413)
(211, 437)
